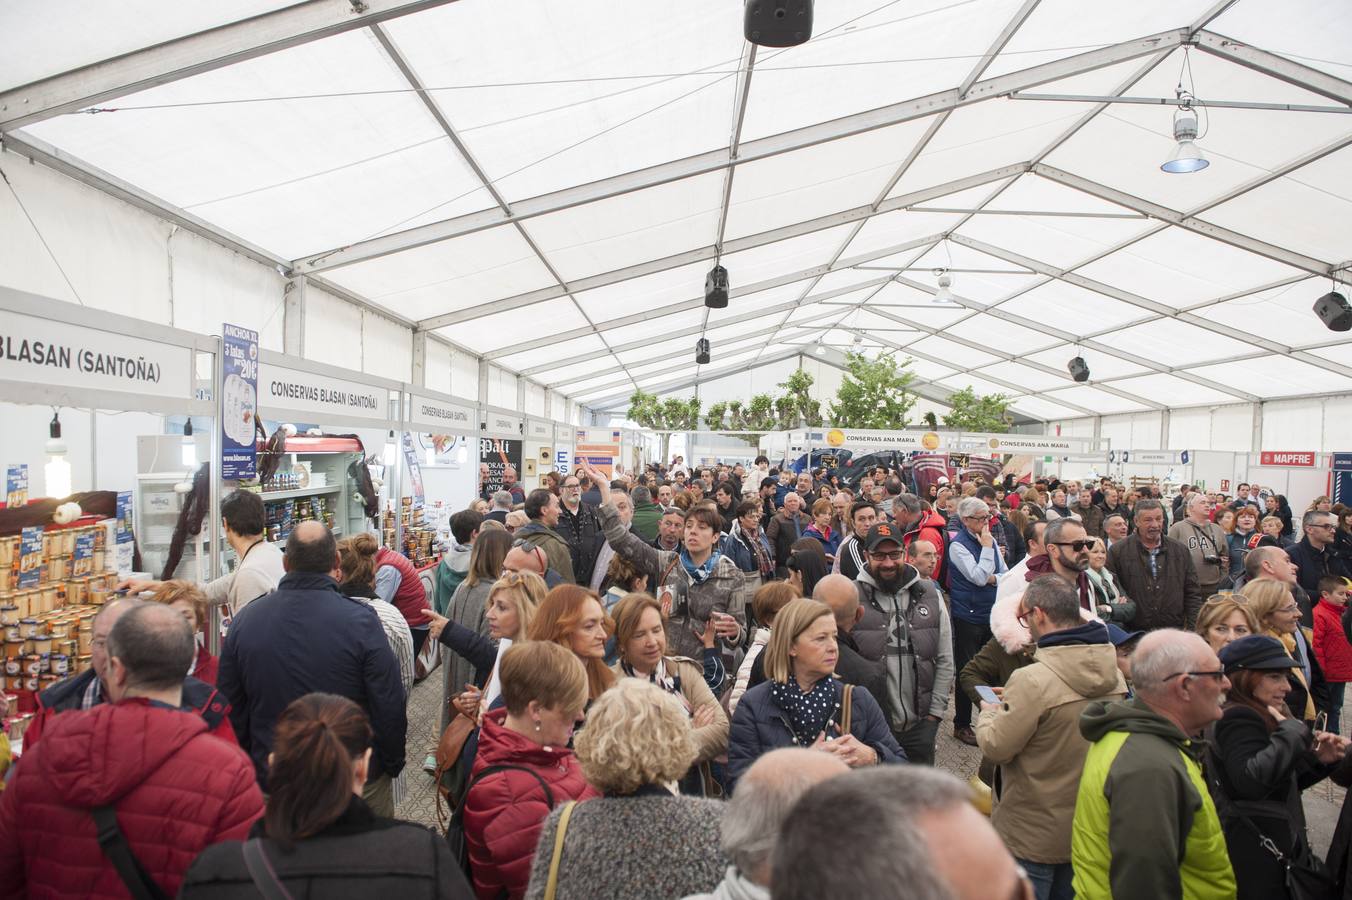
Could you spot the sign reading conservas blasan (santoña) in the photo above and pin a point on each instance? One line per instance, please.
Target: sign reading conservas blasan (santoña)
(45, 351)
(295, 390)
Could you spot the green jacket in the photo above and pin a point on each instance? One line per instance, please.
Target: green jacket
(1144, 824)
(645, 521)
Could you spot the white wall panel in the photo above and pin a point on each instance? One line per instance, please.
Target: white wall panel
(333, 329)
(387, 348)
(1189, 429)
(535, 400)
(437, 368)
(1293, 425)
(113, 254)
(501, 388)
(464, 375)
(1231, 428)
(212, 284)
(1337, 424)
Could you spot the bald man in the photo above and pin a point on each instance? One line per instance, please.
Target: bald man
(765, 797)
(840, 593)
(525, 558)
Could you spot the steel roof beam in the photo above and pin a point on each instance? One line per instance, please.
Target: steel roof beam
(1275, 66)
(761, 148)
(193, 54)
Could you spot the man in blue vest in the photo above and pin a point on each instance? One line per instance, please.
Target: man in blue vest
(974, 565)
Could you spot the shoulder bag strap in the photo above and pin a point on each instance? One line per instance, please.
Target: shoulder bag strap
(489, 770)
(114, 845)
(261, 871)
(846, 709)
(552, 885)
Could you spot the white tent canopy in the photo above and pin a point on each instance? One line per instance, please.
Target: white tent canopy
(546, 185)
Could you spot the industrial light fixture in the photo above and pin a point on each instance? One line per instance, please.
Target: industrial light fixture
(188, 448)
(702, 352)
(716, 288)
(57, 470)
(778, 23)
(1333, 310)
(391, 450)
(1187, 156)
(821, 348)
(944, 296)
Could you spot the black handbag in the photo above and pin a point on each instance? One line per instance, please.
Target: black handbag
(455, 829)
(1307, 878)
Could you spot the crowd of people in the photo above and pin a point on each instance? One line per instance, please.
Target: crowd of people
(721, 682)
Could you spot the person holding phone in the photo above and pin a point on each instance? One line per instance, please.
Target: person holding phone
(975, 565)
(691, 583)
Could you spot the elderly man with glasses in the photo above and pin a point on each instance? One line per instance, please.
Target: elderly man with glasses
(974, 567)
(1145, 824)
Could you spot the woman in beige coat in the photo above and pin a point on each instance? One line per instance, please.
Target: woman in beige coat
(640, 635)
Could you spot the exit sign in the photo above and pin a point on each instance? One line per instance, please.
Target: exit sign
(1297, 458)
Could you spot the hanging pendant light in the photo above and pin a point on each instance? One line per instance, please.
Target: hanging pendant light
(944, 296)
(57, 470)
(1187, 156)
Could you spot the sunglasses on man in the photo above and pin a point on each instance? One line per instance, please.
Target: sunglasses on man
(1077, 546)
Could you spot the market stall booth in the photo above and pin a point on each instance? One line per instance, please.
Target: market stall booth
(79, 389)
(441, 475)
(501, 452)
(537, 452)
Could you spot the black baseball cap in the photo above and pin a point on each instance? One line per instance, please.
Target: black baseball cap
(882, 533)
(1257, 651)
(1119, 636)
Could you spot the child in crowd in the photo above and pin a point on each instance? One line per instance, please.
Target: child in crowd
(1331, 646)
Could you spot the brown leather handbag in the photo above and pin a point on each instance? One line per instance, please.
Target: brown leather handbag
(450, 774)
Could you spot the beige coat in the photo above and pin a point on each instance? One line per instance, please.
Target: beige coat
(711, 740)
(1035, 740)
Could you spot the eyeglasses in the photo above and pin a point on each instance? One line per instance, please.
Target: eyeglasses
(1288, 609)
(1077, 546)
(1023, 617)
(894, 555)
(572, 487)
(978, 518)
(1321, 525)
(1218, 675)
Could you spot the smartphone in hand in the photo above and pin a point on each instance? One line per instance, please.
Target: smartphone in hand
(986, 694)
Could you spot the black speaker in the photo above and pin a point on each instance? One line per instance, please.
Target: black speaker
(702, 351)
(1333, 310)
(778, 23)
(716, 288)
(1078, 369)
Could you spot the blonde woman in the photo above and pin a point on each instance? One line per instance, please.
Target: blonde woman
(801, 704)
(1278, 616)
(512, 602)
(1225, 618)
(640, 634)
(639, 839)
(765, 605)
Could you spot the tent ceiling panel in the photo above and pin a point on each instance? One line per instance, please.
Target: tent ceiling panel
(1178, 268)
(1095, 399)
(924, 368)
(814, 181)
(975, 382)
(1101, 365)
(1295, 211)
(566, 107)
(650, 292)
(1006, 335)
(875, 53)
(566, 373)
(562, 352)
(991, 133)
(1033, 192)
(33, 48)
(1042, 408)
(505, 329)
(659, 348)
(294, 175)
(890, 229)
(1027, 377)
(1061, 242)
(781, 257)
(843, 278)
(656, 327)
(1058, 25)
(1318, 29)
(1174, 391)
(1278, 376)
(631, 228)
(452, 275)
(1073, 309)
(959, 355)
(1178, 343)
(1281, 314)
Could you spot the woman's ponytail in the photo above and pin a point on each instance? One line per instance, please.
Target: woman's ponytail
(316, 744)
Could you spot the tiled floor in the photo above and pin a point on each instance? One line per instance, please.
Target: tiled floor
(1322, 802)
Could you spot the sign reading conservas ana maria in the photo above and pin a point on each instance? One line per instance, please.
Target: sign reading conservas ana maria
(293, 390)
(44, 351)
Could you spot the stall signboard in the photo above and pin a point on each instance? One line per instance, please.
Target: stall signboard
(495, 456)
(436, 416)
(30, 556)
(1093, 459)
(561, 460)
(598, 447)
(1156, 457)
(1341, 462)
(283, 389)
(537, 430)
(931, 441)
(1303, 459)
(503, 424)
(16, 485)
(239, 398)
(563, 434)
(45, 351)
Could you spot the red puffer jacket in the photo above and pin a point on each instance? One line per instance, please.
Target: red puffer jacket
(504, 812)
(176, 789)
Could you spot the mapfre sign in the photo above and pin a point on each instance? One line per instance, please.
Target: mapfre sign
(1294, 458)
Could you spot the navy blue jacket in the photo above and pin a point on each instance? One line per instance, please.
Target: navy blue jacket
(306, 637)
(759, 726)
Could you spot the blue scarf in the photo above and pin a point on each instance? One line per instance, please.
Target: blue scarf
(809, 713)
(699, 574)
